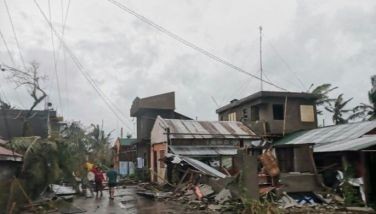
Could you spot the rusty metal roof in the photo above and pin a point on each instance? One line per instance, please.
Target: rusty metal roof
(200, 150)
(6, 154)
(191, 129)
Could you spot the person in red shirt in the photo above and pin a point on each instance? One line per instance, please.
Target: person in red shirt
(99, 178)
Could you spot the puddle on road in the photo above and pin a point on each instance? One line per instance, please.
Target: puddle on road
(127, 201)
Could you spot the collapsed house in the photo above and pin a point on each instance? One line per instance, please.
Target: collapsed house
(214, 143)
(340, 151)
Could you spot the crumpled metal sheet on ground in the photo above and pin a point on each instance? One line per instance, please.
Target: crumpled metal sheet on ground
(202, 167)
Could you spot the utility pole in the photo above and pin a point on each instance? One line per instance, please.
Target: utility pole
(260, 28)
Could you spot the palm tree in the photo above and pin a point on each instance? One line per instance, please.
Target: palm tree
(367, 111)
(338, 109)
(322, 92)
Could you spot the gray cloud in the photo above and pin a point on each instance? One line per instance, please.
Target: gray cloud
(320, 41)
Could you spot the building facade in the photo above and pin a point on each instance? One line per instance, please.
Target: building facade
(271, 113)
(212, 142)
(146, 111)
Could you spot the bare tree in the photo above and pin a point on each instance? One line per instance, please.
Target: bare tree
(30, 79)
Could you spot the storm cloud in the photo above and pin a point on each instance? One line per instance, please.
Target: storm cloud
(304, 42)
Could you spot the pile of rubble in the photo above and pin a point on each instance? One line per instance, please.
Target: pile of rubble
(251, 190)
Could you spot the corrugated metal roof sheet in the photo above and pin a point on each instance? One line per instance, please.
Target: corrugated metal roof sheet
(206, 169)
(189, 129)
(127, 141)
(328, 134)
(347, 145)
(6, 154)
(203, 150)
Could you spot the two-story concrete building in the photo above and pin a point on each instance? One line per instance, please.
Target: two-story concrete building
(273, 113)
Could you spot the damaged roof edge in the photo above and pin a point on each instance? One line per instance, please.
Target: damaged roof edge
(206, 169)
(201, 166)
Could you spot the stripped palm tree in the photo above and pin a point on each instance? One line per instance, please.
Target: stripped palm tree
(338, 110)
(322, 92)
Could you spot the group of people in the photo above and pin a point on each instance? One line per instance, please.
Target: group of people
(96, 177)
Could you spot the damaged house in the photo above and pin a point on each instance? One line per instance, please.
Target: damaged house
(213, 143)
(146, 111)
(10, 165)
(340, 151)
(125, 155)
(43, 123)
(271, 114)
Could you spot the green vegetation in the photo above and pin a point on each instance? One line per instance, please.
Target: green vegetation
(48, 161)
(322, 92)
(338, 110)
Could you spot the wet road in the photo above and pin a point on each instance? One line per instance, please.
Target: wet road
(127, 201)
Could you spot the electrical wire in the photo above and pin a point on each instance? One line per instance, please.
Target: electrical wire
(64, 24)
(287, 65)
(87, 76)
(54, 58)
(13, 62)
(14, 34)
(6, 46)
(187, 43)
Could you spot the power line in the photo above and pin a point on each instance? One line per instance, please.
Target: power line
(187, 43)
(80, 67)
(54, 57)
(64, 23)
(14, 34)
(6, 46)
(13, 62)
(287, 65)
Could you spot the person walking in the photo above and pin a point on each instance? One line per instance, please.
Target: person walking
(111, 176)
(99, 178)
(90, 183)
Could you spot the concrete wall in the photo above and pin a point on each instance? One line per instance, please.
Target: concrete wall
(293, 117)
(12, 121)
(161, 101)
(146, 119)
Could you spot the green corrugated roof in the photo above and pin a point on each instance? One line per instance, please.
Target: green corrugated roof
(127, 141)
(328, 134)
(289, 137)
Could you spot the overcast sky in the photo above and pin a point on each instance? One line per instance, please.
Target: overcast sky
(304, 42)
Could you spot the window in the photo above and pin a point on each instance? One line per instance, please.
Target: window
(161, 158)
(245, 114)
(307, 113)
(232, 116)
(285, 157)
(255, 113)
(278, 112)
(241, 143)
